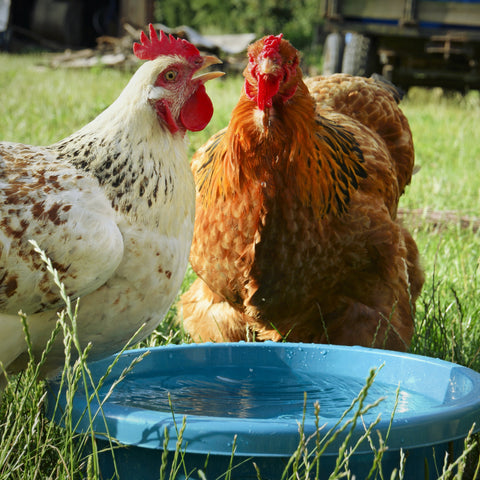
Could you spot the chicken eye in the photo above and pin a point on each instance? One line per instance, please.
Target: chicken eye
(170, 75)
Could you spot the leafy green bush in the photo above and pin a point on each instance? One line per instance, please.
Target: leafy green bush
(297, 20)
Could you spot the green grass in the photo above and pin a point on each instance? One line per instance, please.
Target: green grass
(41, 106)
(444, 129)
(448, 154)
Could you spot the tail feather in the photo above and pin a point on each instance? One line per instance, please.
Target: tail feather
(372, 102)
(396, 91)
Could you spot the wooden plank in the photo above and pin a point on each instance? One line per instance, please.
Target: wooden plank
(438, 219)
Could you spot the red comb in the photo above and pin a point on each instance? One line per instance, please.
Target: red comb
(153, 47)
(271, 45)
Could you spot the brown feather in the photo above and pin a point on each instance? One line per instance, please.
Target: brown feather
(295, 231)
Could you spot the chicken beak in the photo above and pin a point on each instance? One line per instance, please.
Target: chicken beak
(267, 66)
(208, 60)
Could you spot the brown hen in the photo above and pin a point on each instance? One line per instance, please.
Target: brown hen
(296, 234)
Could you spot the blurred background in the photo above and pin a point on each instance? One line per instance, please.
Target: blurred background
(77, 23)
(410, 42)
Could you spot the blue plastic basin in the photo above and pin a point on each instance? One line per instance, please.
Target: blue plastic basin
(252, 395)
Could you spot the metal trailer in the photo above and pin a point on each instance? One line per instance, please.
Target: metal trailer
(71, 23)
(410, 42)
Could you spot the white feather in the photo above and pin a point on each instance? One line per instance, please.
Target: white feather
(119, 239)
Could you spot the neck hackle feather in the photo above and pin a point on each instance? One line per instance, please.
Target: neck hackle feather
(320, 161)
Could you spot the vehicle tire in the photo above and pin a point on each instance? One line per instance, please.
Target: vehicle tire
(333, 53)
(358, 57)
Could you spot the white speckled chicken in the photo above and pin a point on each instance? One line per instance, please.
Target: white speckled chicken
(112, 206)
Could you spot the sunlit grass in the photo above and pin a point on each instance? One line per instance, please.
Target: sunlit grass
(41, 106)
(445, 132)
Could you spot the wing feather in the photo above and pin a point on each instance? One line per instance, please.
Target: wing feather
(67, 214)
